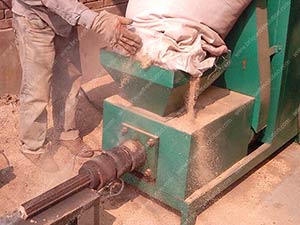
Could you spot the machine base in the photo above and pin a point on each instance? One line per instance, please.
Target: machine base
(171, 182)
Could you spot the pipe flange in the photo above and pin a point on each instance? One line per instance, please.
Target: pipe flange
(122, 160)
(137, 153)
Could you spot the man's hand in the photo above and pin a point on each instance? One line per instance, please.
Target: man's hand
(115, 32)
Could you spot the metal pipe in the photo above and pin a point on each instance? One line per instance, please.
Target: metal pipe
(55, 195)
(94, 174)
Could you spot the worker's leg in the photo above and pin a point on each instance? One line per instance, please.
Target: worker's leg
(66, 85)
(65, 91)
(36, 49)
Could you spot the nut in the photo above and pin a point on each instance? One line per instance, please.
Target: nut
(124, 131)
(151, 142)
(148, 173)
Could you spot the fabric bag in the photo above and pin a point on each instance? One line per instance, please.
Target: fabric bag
(183, 34)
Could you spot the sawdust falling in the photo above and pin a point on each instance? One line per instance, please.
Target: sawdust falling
(124, 80)
(144, 60)
(192, 97)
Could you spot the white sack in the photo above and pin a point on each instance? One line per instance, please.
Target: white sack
(220, 15)
(182, 34)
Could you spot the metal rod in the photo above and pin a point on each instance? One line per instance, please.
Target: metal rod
(54, 195)
(93, 174)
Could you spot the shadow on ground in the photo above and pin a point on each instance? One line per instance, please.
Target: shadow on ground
(112, 203)
(89, 114)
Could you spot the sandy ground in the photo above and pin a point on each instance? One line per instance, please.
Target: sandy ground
(25, 180)
(270, 195)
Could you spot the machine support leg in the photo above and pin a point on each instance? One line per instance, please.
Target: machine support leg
(188, 217)
(94, 174)
(73, 221)
(97, 212)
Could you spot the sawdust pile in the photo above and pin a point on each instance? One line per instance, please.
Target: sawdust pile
(26, 179)
(9, 99)
(144, 60)
(125, 80)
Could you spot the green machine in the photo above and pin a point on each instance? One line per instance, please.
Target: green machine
(249, 113)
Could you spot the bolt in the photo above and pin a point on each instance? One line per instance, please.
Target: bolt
(148, 173)
(151, 142)
(124, 131)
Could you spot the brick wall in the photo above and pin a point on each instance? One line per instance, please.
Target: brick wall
(6, 14)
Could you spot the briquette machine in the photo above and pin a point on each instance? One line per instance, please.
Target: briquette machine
(248, 114)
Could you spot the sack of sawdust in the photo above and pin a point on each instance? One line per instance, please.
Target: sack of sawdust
(220, 15)
(183, 35)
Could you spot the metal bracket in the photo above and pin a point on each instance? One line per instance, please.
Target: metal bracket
(274, 50)
(211, 75)
(151, 143)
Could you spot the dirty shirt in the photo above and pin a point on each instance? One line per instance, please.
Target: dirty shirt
(60, 15)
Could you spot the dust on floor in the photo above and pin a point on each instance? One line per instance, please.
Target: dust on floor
(26, 180)
(268, 196)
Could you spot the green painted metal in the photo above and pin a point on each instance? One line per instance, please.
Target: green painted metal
(148, 95)
(132, 133)
(154, 74)
(243, 74)
(172, 154)
(284, 30)
(180, 156)
(156, 89)
(222, 63)
(176, 147)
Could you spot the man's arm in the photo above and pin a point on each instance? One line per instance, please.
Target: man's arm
(72, 11)
(112, 27)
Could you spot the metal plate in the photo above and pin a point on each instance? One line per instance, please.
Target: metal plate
(151, 144)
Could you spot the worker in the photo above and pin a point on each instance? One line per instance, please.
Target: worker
(47, 42)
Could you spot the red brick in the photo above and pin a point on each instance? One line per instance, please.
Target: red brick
(116, 9)
(8, 13)
(95, 5)
(5, 4)
(6, 23)
(114, 2)
(1, 14)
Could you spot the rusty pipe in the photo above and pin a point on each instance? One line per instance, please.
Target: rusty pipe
(94, 174)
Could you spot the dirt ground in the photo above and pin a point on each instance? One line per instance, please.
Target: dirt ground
(267, 196)
(25, 180)
(270, 195)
